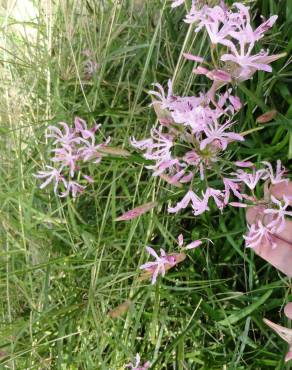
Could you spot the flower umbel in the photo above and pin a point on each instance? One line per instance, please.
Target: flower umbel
(73, 147)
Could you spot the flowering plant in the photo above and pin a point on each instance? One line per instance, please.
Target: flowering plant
(72, 147)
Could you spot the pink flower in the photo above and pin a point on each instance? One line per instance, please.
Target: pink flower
(235, 101)
(217, 133)
(164, 100)
(136, 212)
(265, 26)
(237, 204)
(248, 63)
(219, 75)
(244, 164)
(276, 177)
(158, 266)
(72, 145)
(65, 138)
(51, 175)
(217, 195)
(67, 156)
(199, 206)
(284, 333)
(257, 234)
(194, 58)
(89, 179)
(250, 179)
(278, 224)
(91, 151)
(233, 186)
(74, 188)
(214, 20)
(160, 148)
(137, 365)
(233, 30)
(176, 3)
(81, 127)
(192, 245)
(201, 71)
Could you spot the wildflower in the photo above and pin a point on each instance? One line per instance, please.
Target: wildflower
(233, 30)
(194, 244)
(217, 195)
(250, 179)
(160, 265)
(136, 212)
(267, 117)
(176, 3)
(278, 223)
(233, 186)
(257, 234)
(243, 164)
(137, 365)
(91, 151)
(67, 156)
(65, 138)
(276, 177)
(235, 101)
(74, 188)
(216, 133)
(164, 100)
(81, 127)
(162, 143)
(248, 63)
(52, 174)
(237, 204)
(199, 206)
(284, 333)
(214, 20)
(219, 75)
(194, 58)
(89, 179)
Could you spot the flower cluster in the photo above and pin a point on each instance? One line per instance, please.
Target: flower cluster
(167, 261)
(232, 29)
(193, 132)
(191, 140)
(161, 264)
(72, 147)
(137, 365)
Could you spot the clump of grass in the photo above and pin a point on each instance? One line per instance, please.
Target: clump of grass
(67, 264)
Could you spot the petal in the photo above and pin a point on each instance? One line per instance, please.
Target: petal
(194, 244)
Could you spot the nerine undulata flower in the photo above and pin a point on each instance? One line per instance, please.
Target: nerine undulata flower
(161, 264)
(138, 365)
(199, 129)
(272, 212)
(232, 29)
(73, 147)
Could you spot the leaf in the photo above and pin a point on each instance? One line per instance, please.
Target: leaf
(235, 317)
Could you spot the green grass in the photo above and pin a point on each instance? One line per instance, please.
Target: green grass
(65, 264)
